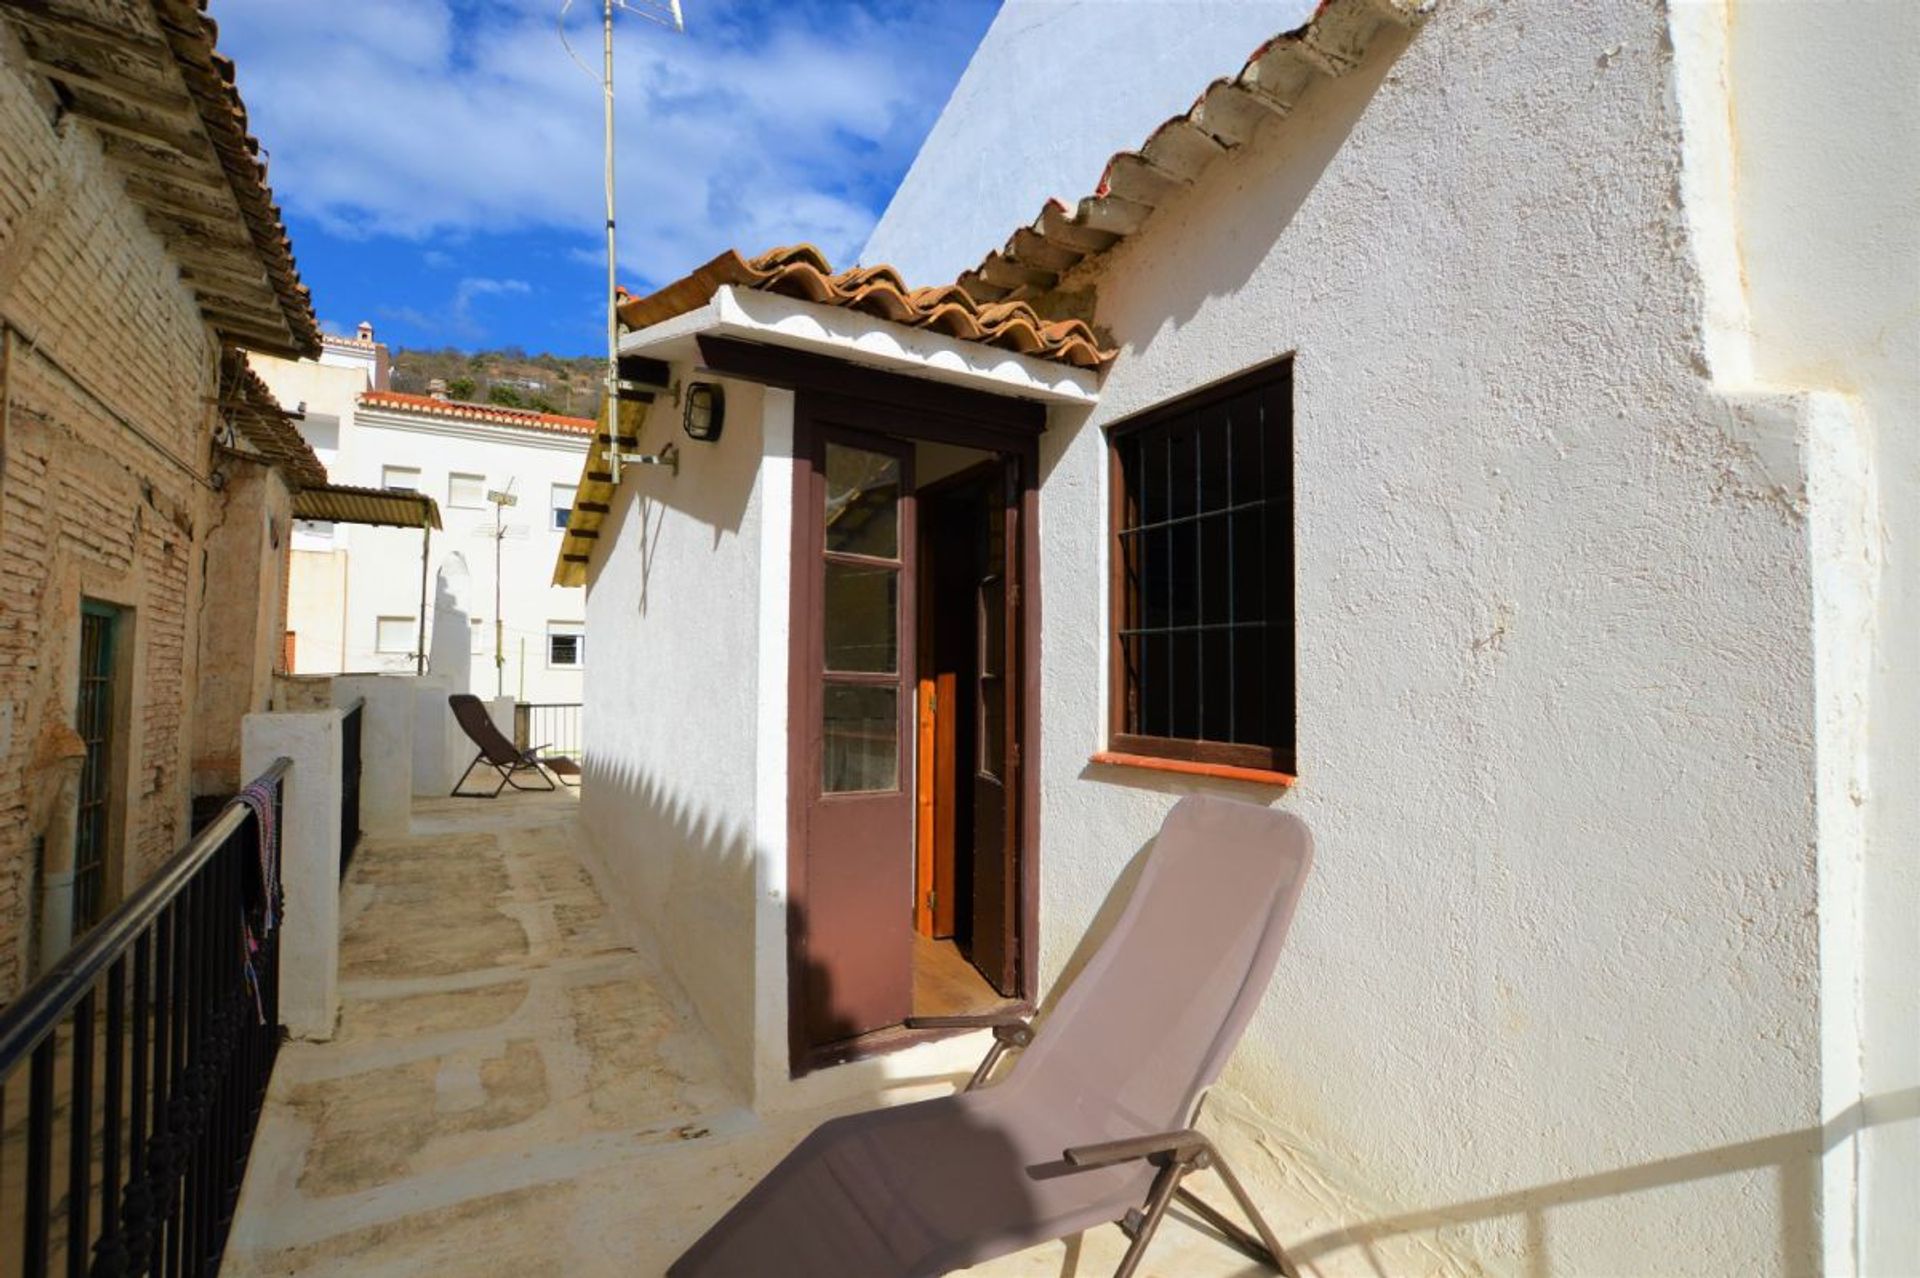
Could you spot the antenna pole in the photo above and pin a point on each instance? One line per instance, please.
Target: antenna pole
(610, 391)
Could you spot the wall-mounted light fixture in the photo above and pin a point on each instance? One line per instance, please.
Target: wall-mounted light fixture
(706, 411)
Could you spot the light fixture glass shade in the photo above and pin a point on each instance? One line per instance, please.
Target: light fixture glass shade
(705, 411)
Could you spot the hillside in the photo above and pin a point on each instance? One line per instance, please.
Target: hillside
(551, 383)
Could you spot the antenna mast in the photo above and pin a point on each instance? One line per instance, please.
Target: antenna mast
(666, 13)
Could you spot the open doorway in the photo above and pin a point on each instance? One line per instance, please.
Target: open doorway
(965, 938)
(908, 888)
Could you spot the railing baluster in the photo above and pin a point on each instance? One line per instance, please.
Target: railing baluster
(33, 1259)
(156, 1208)
(201, 940)
(80, 1136)
(162, 1088)
(111, 1109)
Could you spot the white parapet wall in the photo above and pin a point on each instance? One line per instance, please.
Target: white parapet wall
(440, 750)
(386, 747)
(309, 860)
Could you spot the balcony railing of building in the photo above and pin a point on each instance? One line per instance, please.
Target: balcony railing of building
(555, 725)
(132, 1072)
(350, 730)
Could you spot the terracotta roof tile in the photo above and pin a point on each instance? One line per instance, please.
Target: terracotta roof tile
(800, 271)
(494, 414)
(146, 75)
(256, 416)
(1223, 118)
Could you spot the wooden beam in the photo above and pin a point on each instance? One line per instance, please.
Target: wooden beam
(592, 507)
(625, 441)
(591, 534)
(140, 131)
(158, 202)
(188, 170)
(198, 271)
(174, 107)
(246, 330)
(647, 373)
(577, 559)
(238, 309)
(45, 19)
(599, 477)
(801, 370)
(216, 233)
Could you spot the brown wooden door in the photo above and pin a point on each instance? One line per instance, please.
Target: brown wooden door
(996, 744)
(855, 918)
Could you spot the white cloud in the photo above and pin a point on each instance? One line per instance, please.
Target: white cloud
(404, 118)
(460, 312)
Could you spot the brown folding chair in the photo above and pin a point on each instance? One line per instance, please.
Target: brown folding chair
(496, 752)
(1094, 1121)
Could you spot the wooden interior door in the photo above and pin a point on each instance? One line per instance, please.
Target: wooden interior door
(854, 917)
(996, 744)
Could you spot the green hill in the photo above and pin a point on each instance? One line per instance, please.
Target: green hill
(550, 383)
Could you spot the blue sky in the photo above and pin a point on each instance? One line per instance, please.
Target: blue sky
(439, 161)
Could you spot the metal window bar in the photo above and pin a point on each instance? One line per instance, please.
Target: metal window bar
(1161, 650)
(95, 723)
(350, 731)
(554, 724)
(144, 1056)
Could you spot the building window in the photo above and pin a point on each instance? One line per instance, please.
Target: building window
(394, 634)
(467, 492)
(405, 478)
(566, 644)
(1203, 635)
(562, 504)
(477, 626)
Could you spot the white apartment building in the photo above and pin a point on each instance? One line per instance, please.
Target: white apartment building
(355, 599)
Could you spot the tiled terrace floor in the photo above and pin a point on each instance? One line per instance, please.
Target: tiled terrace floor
(516, 1090)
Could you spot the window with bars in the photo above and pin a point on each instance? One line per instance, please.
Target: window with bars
(1203, 639)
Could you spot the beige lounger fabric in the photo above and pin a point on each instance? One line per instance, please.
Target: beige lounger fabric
(1142, 1032)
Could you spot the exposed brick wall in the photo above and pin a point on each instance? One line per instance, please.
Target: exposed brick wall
(103, 493)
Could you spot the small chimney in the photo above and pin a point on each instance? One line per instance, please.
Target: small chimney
(437, 388)
(365, 331)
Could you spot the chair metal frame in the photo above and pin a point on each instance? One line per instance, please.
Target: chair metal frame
(506, 759)
(507, 772)
(1177, 1154)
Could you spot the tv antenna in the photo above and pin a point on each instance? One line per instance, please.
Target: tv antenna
(665, 13)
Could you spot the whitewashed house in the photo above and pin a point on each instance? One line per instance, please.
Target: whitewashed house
(355, 600)
(1482, 429)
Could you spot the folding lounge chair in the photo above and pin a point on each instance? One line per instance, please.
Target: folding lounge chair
(496, 752)
(1093, 1121)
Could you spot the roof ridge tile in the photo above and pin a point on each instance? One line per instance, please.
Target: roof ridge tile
(1134, 183)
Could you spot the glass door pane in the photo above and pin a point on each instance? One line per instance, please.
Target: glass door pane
(861, 730)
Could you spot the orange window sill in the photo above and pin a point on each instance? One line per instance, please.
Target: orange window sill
(1221, 771)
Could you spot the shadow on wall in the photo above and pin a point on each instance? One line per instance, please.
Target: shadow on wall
(1216, 265)
(1794, 1156)
(690, 877)
(713, 485)
(693, 878)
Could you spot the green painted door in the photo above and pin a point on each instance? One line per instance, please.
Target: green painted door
(94, 720)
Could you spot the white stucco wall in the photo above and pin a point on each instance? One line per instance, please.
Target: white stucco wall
(1558, 978)
(383, 577)
(1605, 720)
(1827, 211)
(1065, 85)
(669, 798)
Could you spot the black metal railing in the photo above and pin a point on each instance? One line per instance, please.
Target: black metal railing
(350, 729)
(132, 1073)
(552, 724)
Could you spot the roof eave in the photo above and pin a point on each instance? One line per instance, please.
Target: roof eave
(774, 319)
